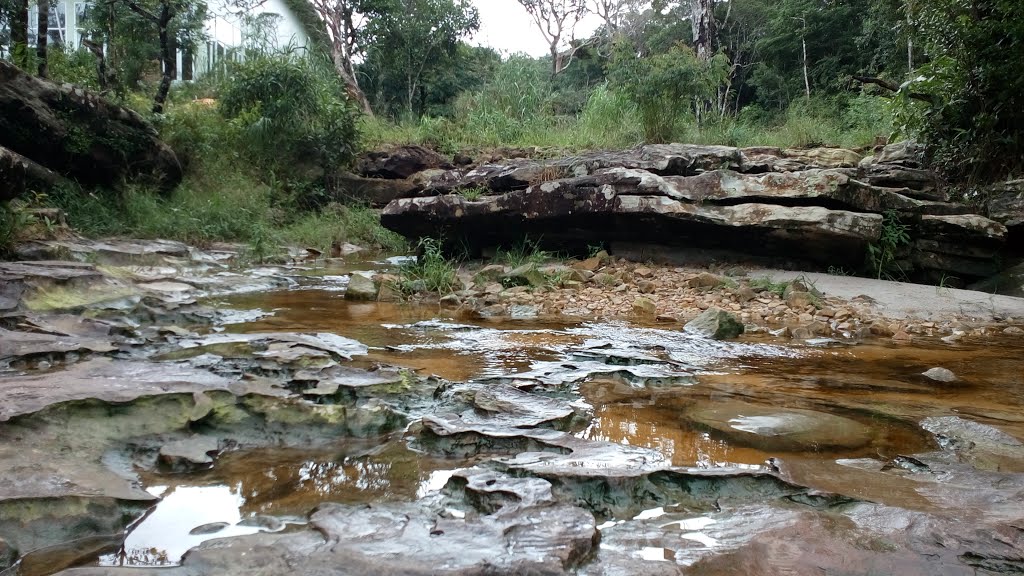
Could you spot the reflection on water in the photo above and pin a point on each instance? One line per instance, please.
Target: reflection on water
(267, 489)
(163, 536)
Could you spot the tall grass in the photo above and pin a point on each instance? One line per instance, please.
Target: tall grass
(609, 120)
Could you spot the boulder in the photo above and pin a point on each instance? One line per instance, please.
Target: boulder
(374, 191)
(360, 288)
(716, 324)
(1009, 282)
(901, 165)
(399, 163)
(939, 374)
(1006, 205)
(77, 134)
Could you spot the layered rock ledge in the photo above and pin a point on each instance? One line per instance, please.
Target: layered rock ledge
(819, 208)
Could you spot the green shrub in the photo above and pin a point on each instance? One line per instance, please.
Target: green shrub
(290, 113)
(432, 271)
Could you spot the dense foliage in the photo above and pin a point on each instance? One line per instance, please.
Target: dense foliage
(967, 98)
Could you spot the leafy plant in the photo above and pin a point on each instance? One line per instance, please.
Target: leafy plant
(882, 255)
(524, 252)
(473, 193)
(432, 271)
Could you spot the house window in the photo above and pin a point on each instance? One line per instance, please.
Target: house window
(58, 29)
(81, 21)
(33, 25)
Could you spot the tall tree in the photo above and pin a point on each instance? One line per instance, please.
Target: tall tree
(557, 21)
(161, 18)
(702, 21)
(416, 37)
(345, 21)
(43, 35)
(19, 33)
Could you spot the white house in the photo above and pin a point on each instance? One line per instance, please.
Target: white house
(226, 31)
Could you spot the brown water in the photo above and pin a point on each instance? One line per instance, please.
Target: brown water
(874, 384)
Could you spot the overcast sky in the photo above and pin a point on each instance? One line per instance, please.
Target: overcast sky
(505, 26)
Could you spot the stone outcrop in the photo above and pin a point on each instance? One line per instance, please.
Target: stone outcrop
(823, 206)
(47, 128)
(399, 162)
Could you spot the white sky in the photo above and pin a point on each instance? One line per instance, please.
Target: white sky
(506, 27)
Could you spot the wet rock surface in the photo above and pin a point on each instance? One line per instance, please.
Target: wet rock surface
(206, 426)
(825, 205)
(45, 123)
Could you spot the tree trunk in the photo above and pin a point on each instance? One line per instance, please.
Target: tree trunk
(167, 57)
(348, 78)
(43, 31)
(101, 62)
(807, 81)
(19, 35)
(702, 21)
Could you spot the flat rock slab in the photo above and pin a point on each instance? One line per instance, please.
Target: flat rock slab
(280, 346)
(102, 379)
(20, 344)
(786, 429)
(189, 454)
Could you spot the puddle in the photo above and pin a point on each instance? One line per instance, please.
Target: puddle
(271, 490)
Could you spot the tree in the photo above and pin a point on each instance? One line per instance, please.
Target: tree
(136, 32)
(19, 32)
(414, 38)
(344, 20)
(702, 21)
(557, 20)
(42, 35)
(967, 100)
(666, 87)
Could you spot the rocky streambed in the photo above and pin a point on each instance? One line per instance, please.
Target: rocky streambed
(163, 407)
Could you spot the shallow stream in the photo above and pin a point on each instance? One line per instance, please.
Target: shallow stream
(839, 418)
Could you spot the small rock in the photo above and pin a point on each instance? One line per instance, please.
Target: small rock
(800, 333)
(211, 528)
(388, 293)
(715, 323)
(521, 311)
(644, 306)
(590, 264)
(264, 522)
(646, 286)
(605, 279)
(666, 318)
(190, 454)
(493, 311)
(493, 288)
(799, 300)
(745, 293)
(879, 328)
(643, 272)
(451, 301)
(902, 336)
(525, 275)
(705, 280)
(1013, 330)
(939, 374)
(360, 288)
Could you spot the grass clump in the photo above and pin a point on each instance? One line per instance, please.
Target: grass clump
(882, 254)
(432, 271)
(522, 253)
(766, 284)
